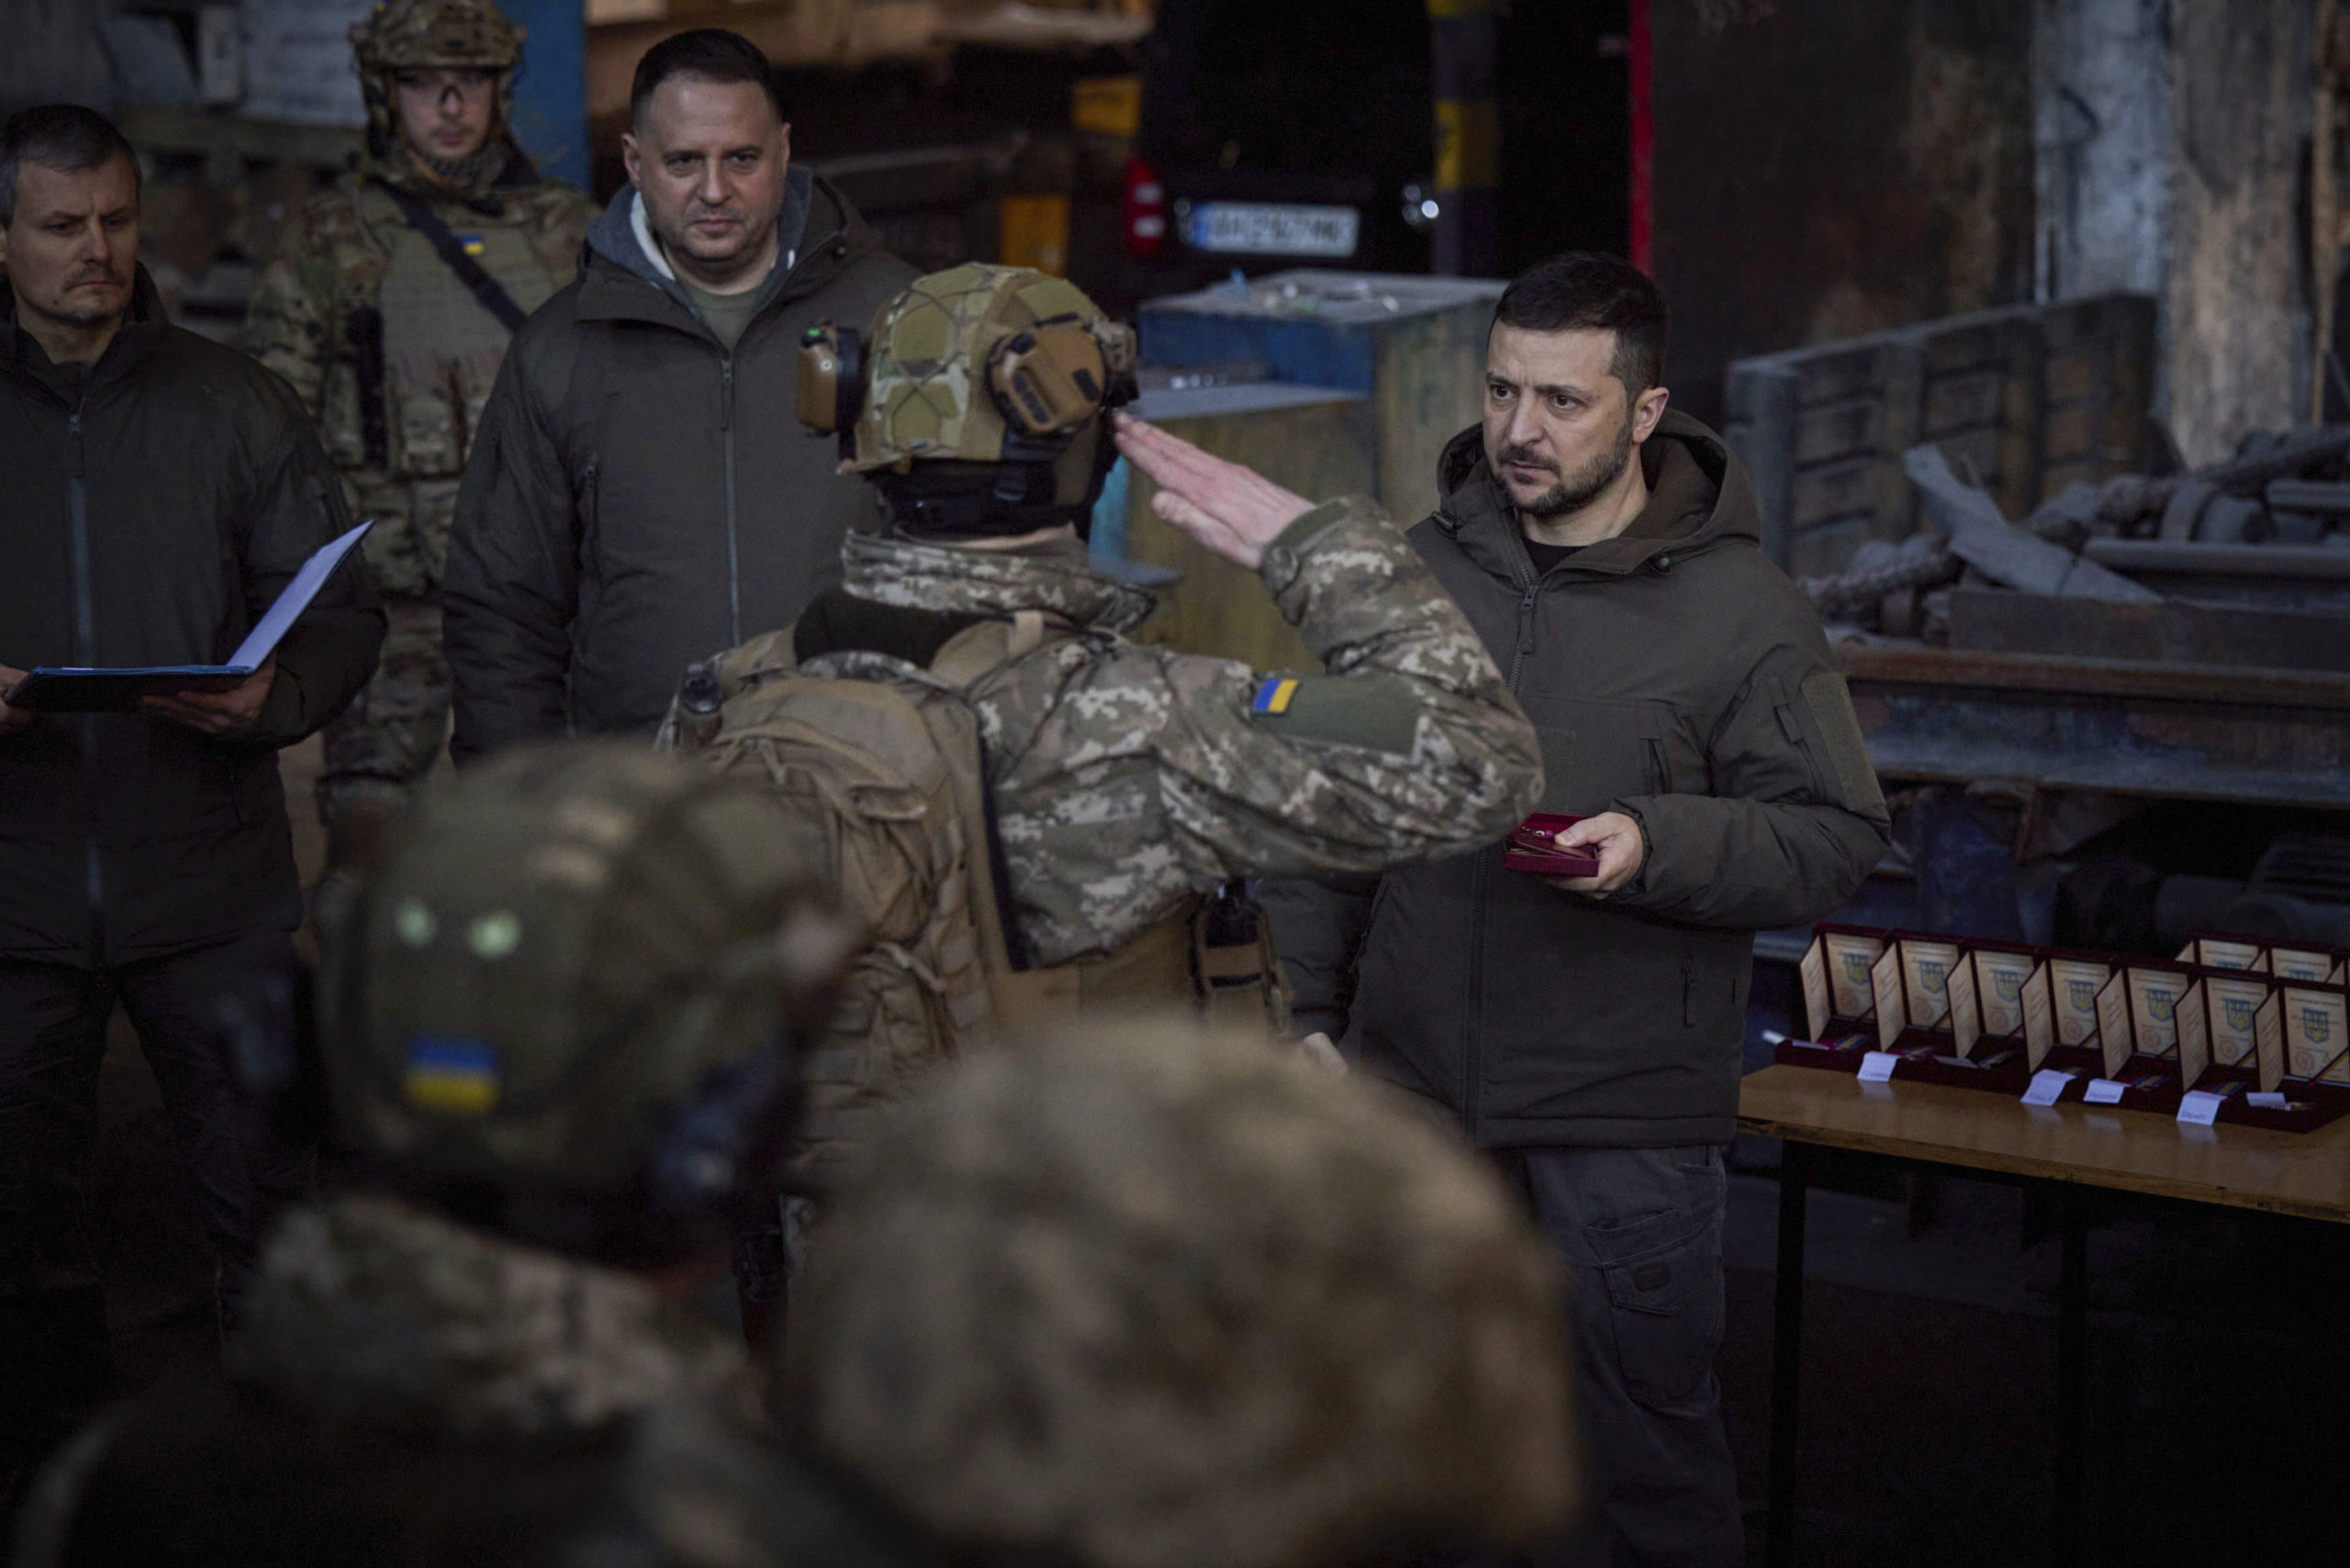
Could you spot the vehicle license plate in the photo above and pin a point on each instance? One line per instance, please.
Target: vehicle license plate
(1277, 229)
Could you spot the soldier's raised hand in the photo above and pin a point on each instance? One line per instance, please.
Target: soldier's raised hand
(1231, 510)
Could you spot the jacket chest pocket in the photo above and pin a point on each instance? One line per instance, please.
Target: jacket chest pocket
(1598, 749)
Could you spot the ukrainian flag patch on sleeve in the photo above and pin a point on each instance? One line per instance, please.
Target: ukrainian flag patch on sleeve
(473, 245)
(1275, 695)
(459, 1076)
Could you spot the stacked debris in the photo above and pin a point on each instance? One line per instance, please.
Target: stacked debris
(2283, 488)
(2175, 566)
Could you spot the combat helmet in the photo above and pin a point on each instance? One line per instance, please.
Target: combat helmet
(1145, 1297)
(447, 35)
(565, 1005)
(975, 402)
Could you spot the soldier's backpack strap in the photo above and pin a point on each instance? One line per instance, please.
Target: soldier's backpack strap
(1159, 969)
(970, 657)
(1237, 963)
(452, 251)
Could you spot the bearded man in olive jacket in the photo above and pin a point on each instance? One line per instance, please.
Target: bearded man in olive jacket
(161, 492)
(1588, 1031)
(640, 495)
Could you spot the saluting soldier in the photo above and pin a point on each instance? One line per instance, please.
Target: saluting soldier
(1127, 781)
(389, 308)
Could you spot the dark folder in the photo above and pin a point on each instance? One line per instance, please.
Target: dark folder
(52, 689)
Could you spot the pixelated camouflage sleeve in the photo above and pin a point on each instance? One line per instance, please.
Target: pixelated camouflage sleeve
(285, 328)
(1411, 747)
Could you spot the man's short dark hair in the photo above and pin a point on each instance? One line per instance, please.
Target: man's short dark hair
(1582, 290)
(63, 137)
(705, 54)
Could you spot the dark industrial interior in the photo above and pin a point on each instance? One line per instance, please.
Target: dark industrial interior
(2026, 322)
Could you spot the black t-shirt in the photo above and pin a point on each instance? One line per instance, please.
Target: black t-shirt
(1546, 556)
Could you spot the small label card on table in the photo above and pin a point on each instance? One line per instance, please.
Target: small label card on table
(2047, 1084)
(2269, 1102)
(1878, 1067)
(2198, 1109)
(2104, 1091)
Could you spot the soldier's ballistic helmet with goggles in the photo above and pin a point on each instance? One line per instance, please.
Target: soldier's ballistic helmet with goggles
(974, 401)
(428, 35)
(567, 1006)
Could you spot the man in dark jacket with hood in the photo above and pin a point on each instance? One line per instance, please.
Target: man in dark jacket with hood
(639, 494)
(161, 491)
(1588, 1030)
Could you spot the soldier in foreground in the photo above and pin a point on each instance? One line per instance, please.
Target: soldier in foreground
(493, 1359)
(389, 309)
(1149, 1298)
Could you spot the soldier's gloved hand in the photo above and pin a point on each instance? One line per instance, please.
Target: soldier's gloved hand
(1233, 510)
(12, 719)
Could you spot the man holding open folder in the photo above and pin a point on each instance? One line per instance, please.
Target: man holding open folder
(158, 494)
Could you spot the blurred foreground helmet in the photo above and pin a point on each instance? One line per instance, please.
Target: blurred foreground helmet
(975, 399)
(1162, 1299)
(446, 35)
(565, 1006)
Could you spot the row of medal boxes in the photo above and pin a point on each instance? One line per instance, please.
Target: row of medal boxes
(2264, 1026)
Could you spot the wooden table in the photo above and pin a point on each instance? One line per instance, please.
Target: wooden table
(2070, 1147)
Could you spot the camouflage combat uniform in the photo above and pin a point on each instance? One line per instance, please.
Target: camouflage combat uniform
(1129, 778)
(414, 1390)
(395, 358)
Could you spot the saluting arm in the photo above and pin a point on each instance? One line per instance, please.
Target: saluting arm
(1410, 747)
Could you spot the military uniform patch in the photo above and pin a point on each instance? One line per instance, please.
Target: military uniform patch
(1274, 696)
(459, 1076)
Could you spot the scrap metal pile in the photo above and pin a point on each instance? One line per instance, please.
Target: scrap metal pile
(2244, 562)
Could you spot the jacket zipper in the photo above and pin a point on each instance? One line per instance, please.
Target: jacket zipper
(85, 652)
(734, 552)
(1472, 1087)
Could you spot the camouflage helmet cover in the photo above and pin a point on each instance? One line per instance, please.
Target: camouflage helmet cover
(1157, 1298)
(446, 35)
(561, 949)
(400, 35)
(926, 355)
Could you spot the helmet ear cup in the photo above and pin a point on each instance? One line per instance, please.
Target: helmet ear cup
(1048, 380)
(828, 392)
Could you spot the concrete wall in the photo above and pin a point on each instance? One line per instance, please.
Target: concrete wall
(1837, 167)
(2172, 140)
(2237, 302)
(1829, 168)
(53, 52)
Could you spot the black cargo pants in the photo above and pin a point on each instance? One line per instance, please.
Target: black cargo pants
(1641, 1232)
(54, 1365)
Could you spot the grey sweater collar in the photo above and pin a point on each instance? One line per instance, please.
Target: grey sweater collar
(618, 234)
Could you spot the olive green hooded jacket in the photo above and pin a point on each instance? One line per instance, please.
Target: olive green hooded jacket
(1673, 674)
(639, 494)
